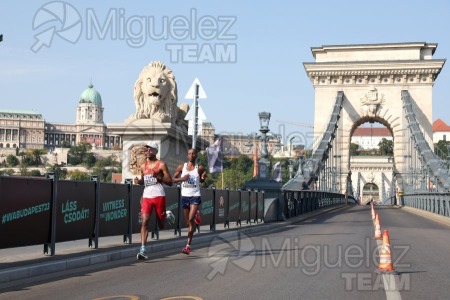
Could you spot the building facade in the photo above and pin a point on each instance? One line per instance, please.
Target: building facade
(29, 130)
(368, 138)
(441, 131)
(21, 129)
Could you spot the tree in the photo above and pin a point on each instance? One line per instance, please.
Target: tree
(36, 173)
(7, 172)
(77, 154)
(23, 170)
(236, 171)
(441, 149)
(79, 175)
(386, 147)
(27, 160)
(90, 160)
(36, 154)
(354, 149)
(62, 172)
(12, 161)
(65, 144)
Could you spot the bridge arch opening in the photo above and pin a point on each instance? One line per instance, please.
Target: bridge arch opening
(371, 157)
(370, 192)
(367, 133)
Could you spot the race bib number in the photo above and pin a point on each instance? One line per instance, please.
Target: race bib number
(149, 180)
(190, 183)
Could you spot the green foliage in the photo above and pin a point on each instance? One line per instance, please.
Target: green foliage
(61, 172)
(36, 154)
(73, 160)
(202, 160)
(7, 172)
(441, 150)
(35, 173)
(386, 147)
(12, 161)
(354, 149)
(23, 170)
(236, 172)
(27, 160)
(90, 160)
(65, 144)
(77, 154)
(79, 175)
(104, 168)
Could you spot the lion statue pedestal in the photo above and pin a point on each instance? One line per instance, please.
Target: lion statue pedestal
(173, 142)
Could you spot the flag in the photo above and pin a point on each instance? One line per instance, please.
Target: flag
(255, 162)
(276, 173)
(214, 152)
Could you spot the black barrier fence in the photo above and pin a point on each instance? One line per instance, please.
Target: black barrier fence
(46, 211)
(300, 202)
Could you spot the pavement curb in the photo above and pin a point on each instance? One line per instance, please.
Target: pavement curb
(426, 214)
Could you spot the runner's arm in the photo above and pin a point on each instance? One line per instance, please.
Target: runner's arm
(202, 173)
(166, 178)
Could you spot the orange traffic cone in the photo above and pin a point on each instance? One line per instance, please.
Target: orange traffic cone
(386, 265)
(377, 228)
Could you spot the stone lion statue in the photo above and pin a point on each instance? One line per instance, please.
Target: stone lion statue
(155, 94)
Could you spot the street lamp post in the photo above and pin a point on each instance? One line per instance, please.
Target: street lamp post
(262, 181)
(291, 168)
(264, 137)
(264, 119)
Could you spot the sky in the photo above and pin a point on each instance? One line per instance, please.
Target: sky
(247, 55)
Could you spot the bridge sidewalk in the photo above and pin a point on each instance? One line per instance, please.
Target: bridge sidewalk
(24, 263)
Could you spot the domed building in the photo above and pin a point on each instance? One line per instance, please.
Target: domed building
(90, 106)
(89, 122)
(88, 128)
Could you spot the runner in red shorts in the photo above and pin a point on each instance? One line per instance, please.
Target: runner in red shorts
(154, 173)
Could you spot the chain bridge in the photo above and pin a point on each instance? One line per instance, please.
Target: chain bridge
(389, 84)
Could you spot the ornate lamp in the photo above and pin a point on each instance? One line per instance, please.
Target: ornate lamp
(264, 119)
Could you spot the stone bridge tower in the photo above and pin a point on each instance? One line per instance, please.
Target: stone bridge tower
(372, 78)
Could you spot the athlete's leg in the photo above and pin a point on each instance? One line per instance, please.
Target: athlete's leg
(190, 217)
(146, 210)
(145, 216)
(160, 208)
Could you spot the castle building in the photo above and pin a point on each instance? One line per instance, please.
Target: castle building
(21, 129)
(28, 130)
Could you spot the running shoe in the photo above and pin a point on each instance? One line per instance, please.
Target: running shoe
(142, 255)
(186, 250)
